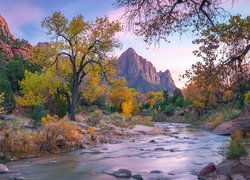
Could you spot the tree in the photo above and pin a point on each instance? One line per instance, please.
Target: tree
(155, 20)
(119, 94)
(224, 49)
(82, 44)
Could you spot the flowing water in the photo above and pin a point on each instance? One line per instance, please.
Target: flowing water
(179, 156)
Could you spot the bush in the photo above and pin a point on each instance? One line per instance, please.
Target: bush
(142, 120)
(95, 118)
(38, 113)
(169, 110)
(159, 117)
(216, 119)
(118, 120)
(235, 150)
(247, 97)
(231, 114)
(59, 134)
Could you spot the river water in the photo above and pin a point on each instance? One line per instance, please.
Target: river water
(179, 156)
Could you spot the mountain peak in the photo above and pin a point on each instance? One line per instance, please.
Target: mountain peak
(141, 74)
(4, 29)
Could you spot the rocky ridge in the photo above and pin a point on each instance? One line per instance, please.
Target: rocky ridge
(141, 74)
(9, 45)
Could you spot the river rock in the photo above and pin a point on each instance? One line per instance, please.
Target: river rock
(155, 172)
(230, 167)
(13, 158)
(52, 162)
(3, 168)
(159, 149)
(224, 129)
(207, 170)
(123, 173)
(152, 141)
(114, 141)
(16, 178)
(91, 151)
(237, 177)
(137, 176)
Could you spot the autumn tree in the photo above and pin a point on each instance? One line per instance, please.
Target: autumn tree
(224, 49)
(80, 46)
(123, 98)
(155, 20)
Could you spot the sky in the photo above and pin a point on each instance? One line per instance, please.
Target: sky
(24, 19)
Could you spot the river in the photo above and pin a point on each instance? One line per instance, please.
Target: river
(179, 156)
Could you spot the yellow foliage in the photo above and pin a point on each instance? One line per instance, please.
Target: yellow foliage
(120, 93)
(153, 97)
(91, 131)
(1, 103)
(127, 108)
(36, 88)
(217, 120)
(92, 87)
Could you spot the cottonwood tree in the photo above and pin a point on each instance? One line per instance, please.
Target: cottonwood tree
(157, 19)
(78, 47)
(224, 49)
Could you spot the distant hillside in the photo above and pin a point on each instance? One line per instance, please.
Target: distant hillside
(141, 74)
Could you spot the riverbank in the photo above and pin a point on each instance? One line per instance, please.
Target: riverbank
(177, 153)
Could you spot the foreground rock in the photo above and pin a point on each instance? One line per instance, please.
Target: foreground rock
(123, 173)
(206, 170)
(224, 129)
(228, 169)
(3, 168)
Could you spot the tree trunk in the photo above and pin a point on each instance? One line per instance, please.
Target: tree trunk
(73, 103)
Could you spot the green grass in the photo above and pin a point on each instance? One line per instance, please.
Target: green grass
(235, 150)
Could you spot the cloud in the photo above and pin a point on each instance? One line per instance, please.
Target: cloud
(20, 13)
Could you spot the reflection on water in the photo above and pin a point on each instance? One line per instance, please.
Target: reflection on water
(179, 156)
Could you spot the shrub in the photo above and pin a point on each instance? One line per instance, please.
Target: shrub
(142, 120)
(235, 150)
(159, 117)
(216, 119)
(1, 103)
(118, 120)
(16, 141)
(94, 118)
(38, 113)
(58, 134)
(231, 114)
(169, 110)
(247, 97)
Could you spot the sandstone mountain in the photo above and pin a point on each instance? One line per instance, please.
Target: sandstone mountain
(9, 45)
(141, 74)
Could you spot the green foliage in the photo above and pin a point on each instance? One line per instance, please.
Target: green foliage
(159, 117)
(5, 87)
(169, 110)
(95, 117)
(235, 150)
(247, 97)
(38, 113)
(118, 119)
(231, 114)
(61, 107)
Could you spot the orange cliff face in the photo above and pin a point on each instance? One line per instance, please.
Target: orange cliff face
(9, 45)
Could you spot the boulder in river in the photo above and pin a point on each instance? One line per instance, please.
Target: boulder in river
(230, 167)
(137, 177)
(3, 168)
(159, 149)
(155, 171)
(123, 173)
(206, 170)
(224, 129)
